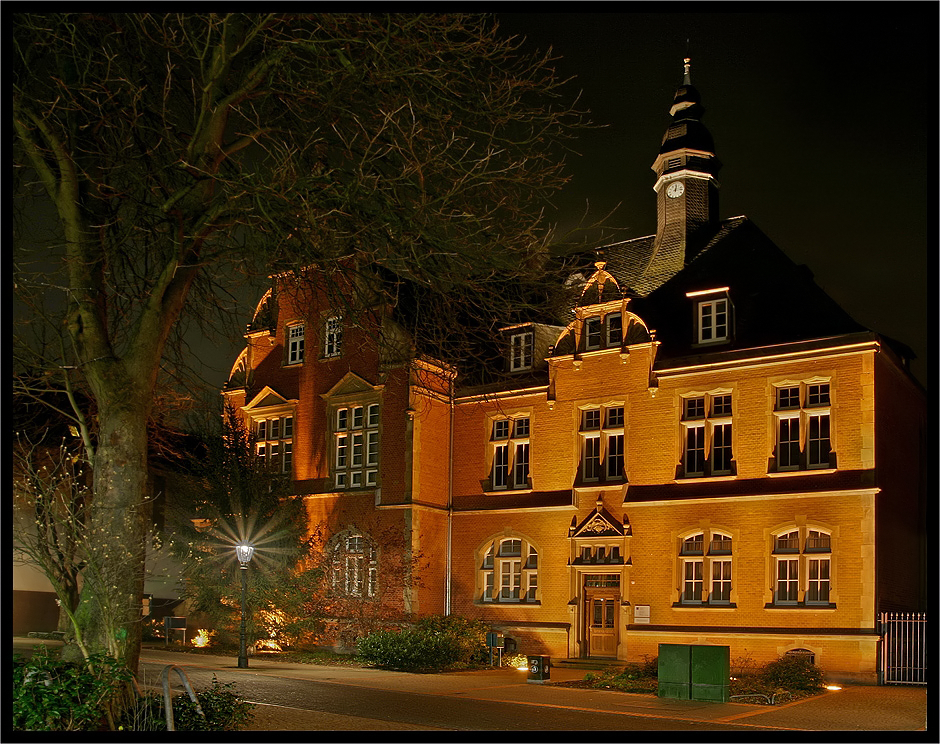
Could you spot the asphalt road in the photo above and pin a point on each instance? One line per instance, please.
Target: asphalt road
(430, 710)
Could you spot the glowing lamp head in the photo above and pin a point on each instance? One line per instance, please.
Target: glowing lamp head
(243, 553)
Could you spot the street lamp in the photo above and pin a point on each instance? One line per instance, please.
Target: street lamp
(243, 552)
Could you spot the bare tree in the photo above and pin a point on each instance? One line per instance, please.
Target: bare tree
(174, 153)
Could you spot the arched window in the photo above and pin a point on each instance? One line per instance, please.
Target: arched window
(802, 566)
(705, 568)
(508, 570)
(354, 565)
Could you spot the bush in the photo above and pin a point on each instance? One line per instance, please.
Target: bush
(793, 673)
(54, 695)
(224, 711)
(433, 644)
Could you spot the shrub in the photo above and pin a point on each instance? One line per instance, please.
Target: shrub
(433, 644)
(793, 673)
(224, 711)
(54, 695)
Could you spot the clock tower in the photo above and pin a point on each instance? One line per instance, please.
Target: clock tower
(686, 187)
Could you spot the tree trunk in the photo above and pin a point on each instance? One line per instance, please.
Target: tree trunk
(109, 612)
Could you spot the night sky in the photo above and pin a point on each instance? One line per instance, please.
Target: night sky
(819, 118)
(820, 121)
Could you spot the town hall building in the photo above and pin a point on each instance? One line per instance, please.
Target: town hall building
(705, 449)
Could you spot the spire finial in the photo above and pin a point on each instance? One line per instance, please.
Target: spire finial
(687, 73)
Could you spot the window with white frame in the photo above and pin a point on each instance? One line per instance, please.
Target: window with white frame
(705, 568)
(521, 350)
(295, 343)
(333, 336)
(706, 435)
(602, 332)
(802, 567)
(354, 565)
(602, 443)
(713, 320)
(356, 445)
(274, 437)
(509, 571)
(509, 441)
(802, 419)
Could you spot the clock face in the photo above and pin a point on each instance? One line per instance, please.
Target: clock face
(675, 189)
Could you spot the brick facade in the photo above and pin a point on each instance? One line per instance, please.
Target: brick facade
(509, 503)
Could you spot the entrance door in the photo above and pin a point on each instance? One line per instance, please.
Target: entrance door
(601, 616)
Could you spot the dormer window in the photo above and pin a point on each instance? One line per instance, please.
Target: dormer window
(521, 346)
(614, 329)
(592, 333)
(712, 315)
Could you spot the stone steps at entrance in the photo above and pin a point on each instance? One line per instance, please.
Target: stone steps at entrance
(589, 664)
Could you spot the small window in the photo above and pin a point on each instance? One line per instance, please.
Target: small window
(592, 333)
(333, 337)
(614, 329)
(295, 343)
(713, 320)
(522, 346)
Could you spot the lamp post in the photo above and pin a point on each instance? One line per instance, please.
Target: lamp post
(243, 552)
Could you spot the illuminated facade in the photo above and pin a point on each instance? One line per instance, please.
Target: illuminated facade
(707, 450)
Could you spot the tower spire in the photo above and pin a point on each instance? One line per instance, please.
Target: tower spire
(687, 74)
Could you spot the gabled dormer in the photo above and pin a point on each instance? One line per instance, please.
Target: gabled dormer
(602, 320)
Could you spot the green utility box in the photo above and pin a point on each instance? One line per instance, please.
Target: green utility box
(693, 672)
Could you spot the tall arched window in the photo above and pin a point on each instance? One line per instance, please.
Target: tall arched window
(509, 570)
(354, 565)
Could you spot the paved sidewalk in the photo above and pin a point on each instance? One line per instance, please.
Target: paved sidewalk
(853, 708)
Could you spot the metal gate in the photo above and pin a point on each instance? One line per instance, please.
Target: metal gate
(903, 648)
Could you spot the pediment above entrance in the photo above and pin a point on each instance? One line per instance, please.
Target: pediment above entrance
(599, 524)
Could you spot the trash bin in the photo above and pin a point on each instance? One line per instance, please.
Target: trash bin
(539, 669)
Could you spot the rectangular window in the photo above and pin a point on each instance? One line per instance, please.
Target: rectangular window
(614, 330)
(275, 429)
(721, 449)
(788, 580)
(707, 436)
(817, 442)
(356, 446)
(817, 590)
(712, 321)
(809, 421)
(614, 457)
(288, 427)
(692, 582)
(788, 444)
(510, 454)
(521, 466)
(695, 450)
(721, 581)
(288, 457)
(521, 351)
(501, 466)
(602, 443)
(295, 344)
(333, 336)
(592, 458)
(592, 333)
(511, 579)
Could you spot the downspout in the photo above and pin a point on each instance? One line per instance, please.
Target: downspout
(450, 502)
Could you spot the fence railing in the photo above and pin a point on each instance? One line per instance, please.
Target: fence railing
(903, 648)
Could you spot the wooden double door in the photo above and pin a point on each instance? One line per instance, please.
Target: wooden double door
(602, 621)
